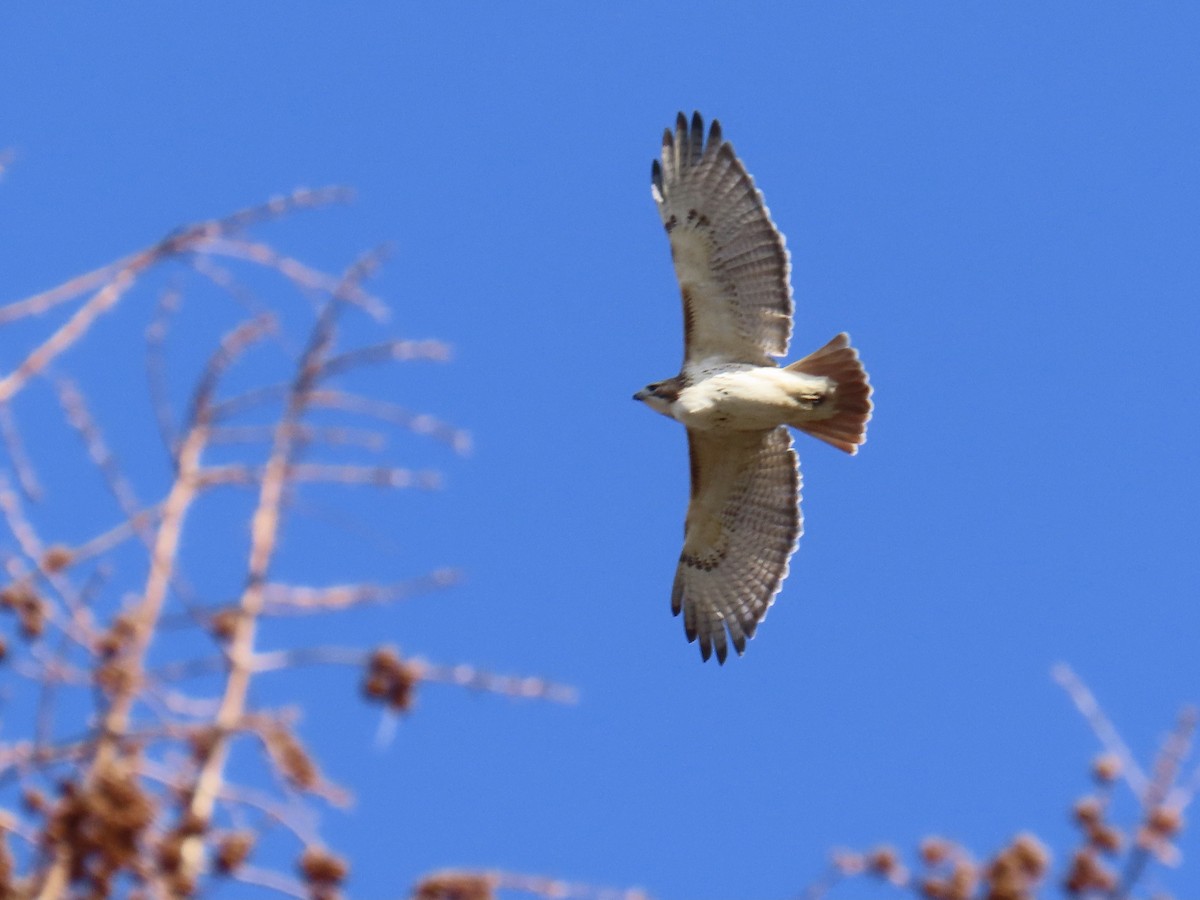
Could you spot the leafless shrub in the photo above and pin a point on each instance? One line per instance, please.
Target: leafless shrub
(1110, 860)
(120, 784)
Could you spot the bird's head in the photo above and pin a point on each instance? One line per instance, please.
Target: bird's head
(660, 395)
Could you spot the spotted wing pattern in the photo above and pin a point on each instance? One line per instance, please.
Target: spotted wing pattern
(732, 265)
(742, 526)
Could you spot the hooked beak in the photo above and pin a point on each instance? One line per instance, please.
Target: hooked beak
(640, 395)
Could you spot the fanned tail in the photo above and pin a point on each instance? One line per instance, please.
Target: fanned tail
(846, 426)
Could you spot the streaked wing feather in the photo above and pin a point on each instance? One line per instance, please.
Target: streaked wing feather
(742, 526)
(731, 261)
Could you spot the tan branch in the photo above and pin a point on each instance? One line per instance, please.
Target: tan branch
(1102, 727)
(145, 615)
(378, 476)
(304, 277)
(112, 282)
(264, 533)
(156, 368)
(389, 351)
(283, 599)
(483, 885)
(418, 423)
(22, 466)
(74, 328)
(306, 434)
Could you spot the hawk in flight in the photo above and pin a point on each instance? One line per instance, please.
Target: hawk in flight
(736, 402)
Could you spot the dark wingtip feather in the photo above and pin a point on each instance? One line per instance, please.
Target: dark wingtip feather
(714, 132)
(681, 125)
(656, 175)
(705, 650)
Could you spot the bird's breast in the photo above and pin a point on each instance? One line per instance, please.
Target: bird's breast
(735, 397)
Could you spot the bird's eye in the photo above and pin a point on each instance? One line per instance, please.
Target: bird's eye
(653, 388)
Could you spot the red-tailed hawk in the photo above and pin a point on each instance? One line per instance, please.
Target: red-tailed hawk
(733, 268)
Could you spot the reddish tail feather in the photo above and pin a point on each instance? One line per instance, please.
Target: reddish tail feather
(846, 428)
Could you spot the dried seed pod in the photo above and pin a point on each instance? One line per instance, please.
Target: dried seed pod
(119, 635)
(391, 680)
(1088, 811)
(935, 850)
(223, 623)
(1105, 838)
(291, 758)
(884, 862)
(454, 886)
(57, 558)
(1087, 874)
(1164, 821)
(321, 869)
(1106, 768)
(233, 850)
(28, 605)
(1031, 855)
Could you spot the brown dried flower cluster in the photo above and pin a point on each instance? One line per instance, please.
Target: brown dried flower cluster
(30, 608)
(455, 886)
(290, 758)
(323, 872)
(949, 872)
(390, 680)
(233, 850)
(103, 823)
(1015, 872)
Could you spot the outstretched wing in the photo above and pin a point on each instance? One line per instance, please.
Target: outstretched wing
(742, 526)
(729, 257)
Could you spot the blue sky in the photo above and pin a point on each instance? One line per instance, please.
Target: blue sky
(999, 202)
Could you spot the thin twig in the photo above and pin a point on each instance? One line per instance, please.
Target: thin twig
(1104, 729)
(115, 536)
(76, 622)
(233, 345)
(112, 282)
(481, 680)
(22, 467)
(275, 881)
(418, 423)
(156, 369)
(389, 351)
(121, 487)
(377, 476)
(68, 290)
(75, 327)
(469, 882)
(529, 687)
(306, 278)
(307, 434)
(283, 599)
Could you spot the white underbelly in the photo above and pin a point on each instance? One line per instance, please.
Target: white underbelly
(746, 399)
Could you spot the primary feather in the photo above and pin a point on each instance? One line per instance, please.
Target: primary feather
(731, 260)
